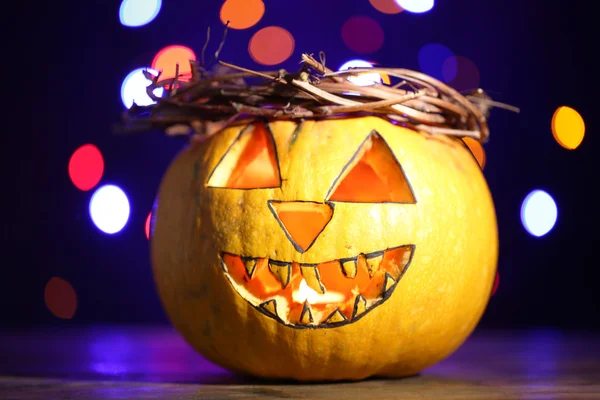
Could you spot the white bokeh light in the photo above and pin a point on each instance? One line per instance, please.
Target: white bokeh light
(538, 213)
(416, 6)
(363, 79)
(136, 13)
(109, 209)
(134, 87)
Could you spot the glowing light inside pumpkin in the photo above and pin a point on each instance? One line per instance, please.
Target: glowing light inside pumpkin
(242, 14)
(250, 163)
(538, 213)
(60, 298)
(133, 88)
(302, 220)
(271, 45)
(109, 209)
(364, 79)
(167, 59)
(363, 35)
(136, 13)
(568, 127)
(416, 6)
(86, 167)
(438, 61)
(306, 293)
(386, 6)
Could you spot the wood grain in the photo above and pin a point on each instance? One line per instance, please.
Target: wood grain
(155, 363)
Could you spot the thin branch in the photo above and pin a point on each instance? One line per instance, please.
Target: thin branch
(205, 45)
(314, 91)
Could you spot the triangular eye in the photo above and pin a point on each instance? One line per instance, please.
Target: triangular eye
(373, 175)
(250, 162)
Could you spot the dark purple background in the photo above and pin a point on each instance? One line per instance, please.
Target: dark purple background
(66, 62)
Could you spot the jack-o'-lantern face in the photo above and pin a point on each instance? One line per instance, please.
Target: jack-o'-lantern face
(297, 264)
(382, 236)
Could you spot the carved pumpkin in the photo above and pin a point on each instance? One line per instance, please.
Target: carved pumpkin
(325, 249)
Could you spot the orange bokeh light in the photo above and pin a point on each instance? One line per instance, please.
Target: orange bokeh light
(568, 127)
(477, 150)
(167, 59)
(60, 298)
(386, 6)
(242, 14)
(271, 45)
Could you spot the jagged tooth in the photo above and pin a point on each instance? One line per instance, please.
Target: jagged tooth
(270, 306)
(282, 271)
(306, 315)
(388, 283)
(313, 279)
(349, 267)
(373, 261)
(250, 264)
(336, 317)
(360, 306)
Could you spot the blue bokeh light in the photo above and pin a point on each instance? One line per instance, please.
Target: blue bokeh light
(134, 87)
(416, 6)
(109, 209)
(538, 213)
(136, 13)
(438, 61)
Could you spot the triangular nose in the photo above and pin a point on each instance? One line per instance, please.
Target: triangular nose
(302, 221)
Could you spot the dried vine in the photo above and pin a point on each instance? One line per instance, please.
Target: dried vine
(203, 102)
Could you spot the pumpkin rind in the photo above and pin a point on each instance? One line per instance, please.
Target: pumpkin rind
(434, 306)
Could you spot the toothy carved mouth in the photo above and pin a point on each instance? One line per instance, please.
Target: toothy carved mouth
(323, 295)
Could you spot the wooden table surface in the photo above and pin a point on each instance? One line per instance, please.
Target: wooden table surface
(155, 363)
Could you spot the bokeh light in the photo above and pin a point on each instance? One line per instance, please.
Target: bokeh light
(166, 61)
(496, 283)
(133, 88)
(60, 298)
(416, 6)
(461, 73)
(364, 79)
(136, 13)
(432, 60)
(568, 127)
(109, 209)
(362, 35)
(538, 213)
(271, 45)
(242, 14)
(476, 149)
(147, 225)
(386, 6)
(86, 167)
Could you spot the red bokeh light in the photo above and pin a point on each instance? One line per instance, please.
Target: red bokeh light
(465, 72)
(363, 35)
(271, 45)
(386, 6)
(60, 298)
(86, 167)
(147, 226)
(496, 283)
